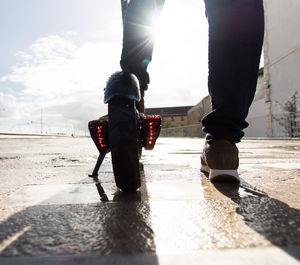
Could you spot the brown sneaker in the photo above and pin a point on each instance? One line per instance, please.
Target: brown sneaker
(220, 160)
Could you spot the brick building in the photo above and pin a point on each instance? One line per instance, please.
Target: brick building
(171, 116)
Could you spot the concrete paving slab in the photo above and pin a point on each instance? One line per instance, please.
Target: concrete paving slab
(51, 211)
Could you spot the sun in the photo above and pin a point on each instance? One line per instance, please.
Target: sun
(179, 24)
(178, 71)
(166, 22)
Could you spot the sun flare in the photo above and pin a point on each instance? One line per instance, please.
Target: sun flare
(179, 67)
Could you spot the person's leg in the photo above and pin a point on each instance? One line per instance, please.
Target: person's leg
(236, 29)
(138, 23)
(138, 38)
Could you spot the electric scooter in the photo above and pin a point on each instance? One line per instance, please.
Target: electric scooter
(125, 130)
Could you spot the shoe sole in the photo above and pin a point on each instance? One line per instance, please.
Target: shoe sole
(220, 175)
(204, 169)
(224, 175)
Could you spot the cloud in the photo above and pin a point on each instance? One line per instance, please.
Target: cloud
(57, 67)
(8, 106)
(64, 78)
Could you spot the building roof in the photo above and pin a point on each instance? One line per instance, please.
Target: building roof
(168, 111)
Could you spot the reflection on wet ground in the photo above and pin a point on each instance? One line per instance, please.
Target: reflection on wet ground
(119, 225)
(51, 207)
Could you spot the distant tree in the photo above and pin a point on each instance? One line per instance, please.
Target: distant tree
(290, 120)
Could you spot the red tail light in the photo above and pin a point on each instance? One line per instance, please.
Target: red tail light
(151, 126)
(99, 133)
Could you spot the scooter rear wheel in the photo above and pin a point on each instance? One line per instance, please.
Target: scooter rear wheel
(125, 145)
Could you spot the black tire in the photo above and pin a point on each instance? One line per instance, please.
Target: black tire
(125, 145)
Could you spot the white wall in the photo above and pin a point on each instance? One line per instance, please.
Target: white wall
(282, 66)
(257, 120)
(285, 79)
(282, 21)
(282, 53)
(257, 112)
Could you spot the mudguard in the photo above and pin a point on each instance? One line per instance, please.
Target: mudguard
(122, 85)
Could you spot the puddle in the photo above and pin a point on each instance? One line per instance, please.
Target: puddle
(243, 193)
(251, 191)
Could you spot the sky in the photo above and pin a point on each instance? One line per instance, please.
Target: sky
(56, 56)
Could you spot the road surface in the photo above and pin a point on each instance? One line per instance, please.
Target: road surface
(51, 213)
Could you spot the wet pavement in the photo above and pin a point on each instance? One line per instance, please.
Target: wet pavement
(51, 213)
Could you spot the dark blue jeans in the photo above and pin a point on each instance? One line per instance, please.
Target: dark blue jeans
(236, 29)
